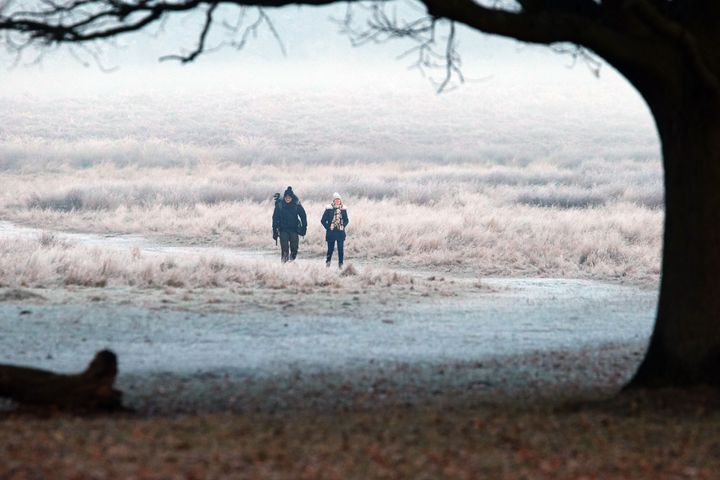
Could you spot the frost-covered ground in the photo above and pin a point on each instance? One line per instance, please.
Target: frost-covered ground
(505, 247)
(515, 244)
(213, 329)
(518, 340)
(540, 186)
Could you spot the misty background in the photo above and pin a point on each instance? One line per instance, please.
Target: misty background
(519, 101)
(532, 167)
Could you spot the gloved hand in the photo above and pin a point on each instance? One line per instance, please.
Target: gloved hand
(302, 231)
(275, 234)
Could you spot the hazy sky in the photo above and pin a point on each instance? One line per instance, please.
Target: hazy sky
(317, 57)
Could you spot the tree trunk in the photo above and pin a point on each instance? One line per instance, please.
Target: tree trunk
(90, 390)
(685, 345)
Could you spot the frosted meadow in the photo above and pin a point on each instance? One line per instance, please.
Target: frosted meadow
(498, 291)
(468, 183)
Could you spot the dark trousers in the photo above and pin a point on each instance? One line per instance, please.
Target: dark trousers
(340, 248)
(289, 242)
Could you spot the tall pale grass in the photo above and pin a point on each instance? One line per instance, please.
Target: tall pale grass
(466, 182)
(491, 228)
(46, 262)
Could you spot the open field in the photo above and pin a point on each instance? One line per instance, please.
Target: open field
(579, 197)
(483, 232)
(141, 223)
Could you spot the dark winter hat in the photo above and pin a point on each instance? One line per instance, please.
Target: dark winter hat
(289, 192)
(276, 196)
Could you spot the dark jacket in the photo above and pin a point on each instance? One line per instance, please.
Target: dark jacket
(290, 217)
(327, 219)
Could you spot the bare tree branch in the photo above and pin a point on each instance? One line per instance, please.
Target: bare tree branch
(653, 16)
(579, 54)
(579, 22)
(621, 31)
(274, 32)
(251, 30)
(201, 40)
(452, 62)
(60, 22)
(431, 51)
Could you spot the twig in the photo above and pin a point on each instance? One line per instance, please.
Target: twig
(201, 40)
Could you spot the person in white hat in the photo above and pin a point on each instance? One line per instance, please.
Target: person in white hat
(335, 220)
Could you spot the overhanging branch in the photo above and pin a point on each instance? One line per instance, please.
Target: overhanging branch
(678, 33)
(549, 22)
(201, 40)
(626, 33)
(86, 20)
(432, 50)
(534, 25)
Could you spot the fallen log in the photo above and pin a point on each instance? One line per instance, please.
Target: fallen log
(90, 390)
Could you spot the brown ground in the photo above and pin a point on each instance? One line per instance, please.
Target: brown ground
(657, 435)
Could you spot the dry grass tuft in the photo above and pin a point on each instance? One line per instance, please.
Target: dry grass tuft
(349, 271)
(465, 226)
(37, 263)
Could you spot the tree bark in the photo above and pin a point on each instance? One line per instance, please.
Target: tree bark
(91, 390)
(685, 346)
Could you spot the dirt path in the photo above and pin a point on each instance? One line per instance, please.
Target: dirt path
(131, 241)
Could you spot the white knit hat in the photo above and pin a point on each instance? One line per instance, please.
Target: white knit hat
(337, 195)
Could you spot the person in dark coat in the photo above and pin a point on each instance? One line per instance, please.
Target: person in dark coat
(335, 220)
(289, 222)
